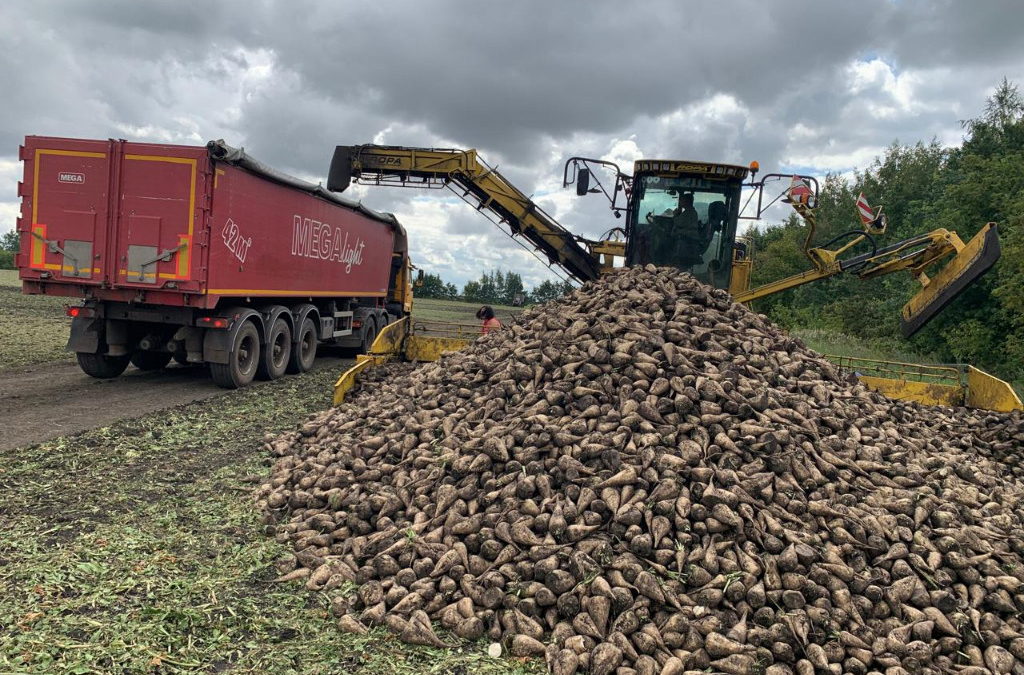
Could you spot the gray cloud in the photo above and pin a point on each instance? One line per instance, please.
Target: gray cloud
(796, 85)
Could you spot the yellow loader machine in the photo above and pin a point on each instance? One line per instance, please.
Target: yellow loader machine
(682, 214)
(660, 193)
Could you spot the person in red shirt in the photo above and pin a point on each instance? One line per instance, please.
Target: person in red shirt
(490, 322)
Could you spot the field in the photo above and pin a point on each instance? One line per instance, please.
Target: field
(136, 548)
(33, 328)
(429, 309)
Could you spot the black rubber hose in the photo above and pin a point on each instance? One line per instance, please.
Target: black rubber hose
(854, 233)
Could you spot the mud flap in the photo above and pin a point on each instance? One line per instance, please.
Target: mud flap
(217, 343)
(980, 254)
(85, 335)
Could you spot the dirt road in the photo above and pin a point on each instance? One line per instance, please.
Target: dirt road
(48, 400)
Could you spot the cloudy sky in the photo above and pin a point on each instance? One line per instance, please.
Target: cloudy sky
(801, 85)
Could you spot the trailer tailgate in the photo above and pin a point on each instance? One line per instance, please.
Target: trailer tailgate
(113, 214)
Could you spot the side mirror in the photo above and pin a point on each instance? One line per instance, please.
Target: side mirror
(583, 182)
(419, 278)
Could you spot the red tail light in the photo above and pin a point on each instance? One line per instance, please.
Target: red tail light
(213, 322)
(75, 312)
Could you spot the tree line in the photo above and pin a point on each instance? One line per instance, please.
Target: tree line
(8, 247)
(922, 187)
(496, 287)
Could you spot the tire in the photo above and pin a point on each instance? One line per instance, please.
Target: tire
(369, 336)
(304, 351)
(102, 366)
(144, 360)
(277, 351)
(243, 359)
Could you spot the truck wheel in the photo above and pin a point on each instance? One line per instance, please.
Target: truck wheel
(278, 351)
(304, 353)
(243, 359)
(144, 360)
(101, 365)
(369, 336)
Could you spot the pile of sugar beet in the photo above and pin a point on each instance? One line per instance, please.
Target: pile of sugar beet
(645, 477)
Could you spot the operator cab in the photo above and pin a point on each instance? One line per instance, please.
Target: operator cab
(683, 215)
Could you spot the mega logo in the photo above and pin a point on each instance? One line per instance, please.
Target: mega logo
(65, 177)
(313, 239)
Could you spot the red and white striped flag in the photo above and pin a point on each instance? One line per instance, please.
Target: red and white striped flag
(867, 215)
(799, 191)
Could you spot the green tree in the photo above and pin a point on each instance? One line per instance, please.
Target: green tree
(922, 187)
(10, 241)
(513, 286)
(434, 287)
(548, 290)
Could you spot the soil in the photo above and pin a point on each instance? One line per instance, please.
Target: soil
(43, 401)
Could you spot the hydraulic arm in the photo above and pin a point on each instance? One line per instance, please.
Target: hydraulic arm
(466, 174)
(462, 169)
(915, 255)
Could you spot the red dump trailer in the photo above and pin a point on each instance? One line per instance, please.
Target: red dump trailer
(204, 255)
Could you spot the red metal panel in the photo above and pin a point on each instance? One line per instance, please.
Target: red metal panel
(160, 216)
(65, 199)
(192, 232)
(270, 240)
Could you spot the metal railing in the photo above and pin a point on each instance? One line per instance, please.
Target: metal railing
(949, 375)
(446, 329)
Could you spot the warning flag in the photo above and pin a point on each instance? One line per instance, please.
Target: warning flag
(867, 215)
(799, 191)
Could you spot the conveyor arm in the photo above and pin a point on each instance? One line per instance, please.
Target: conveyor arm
(423, 167)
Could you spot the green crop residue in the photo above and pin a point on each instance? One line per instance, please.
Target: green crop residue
(137, 548)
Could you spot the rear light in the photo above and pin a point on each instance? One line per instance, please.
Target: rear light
(76, 312)
(357, 323)
(213, 322)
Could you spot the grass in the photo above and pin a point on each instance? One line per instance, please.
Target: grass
(840, 344)
(452, 311)
(832, 343)
(136, 548)
(33, 328)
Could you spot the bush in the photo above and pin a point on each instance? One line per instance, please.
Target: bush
(6, 260)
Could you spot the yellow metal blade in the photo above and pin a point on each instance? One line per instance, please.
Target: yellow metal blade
(387, 346)
(976, 258)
